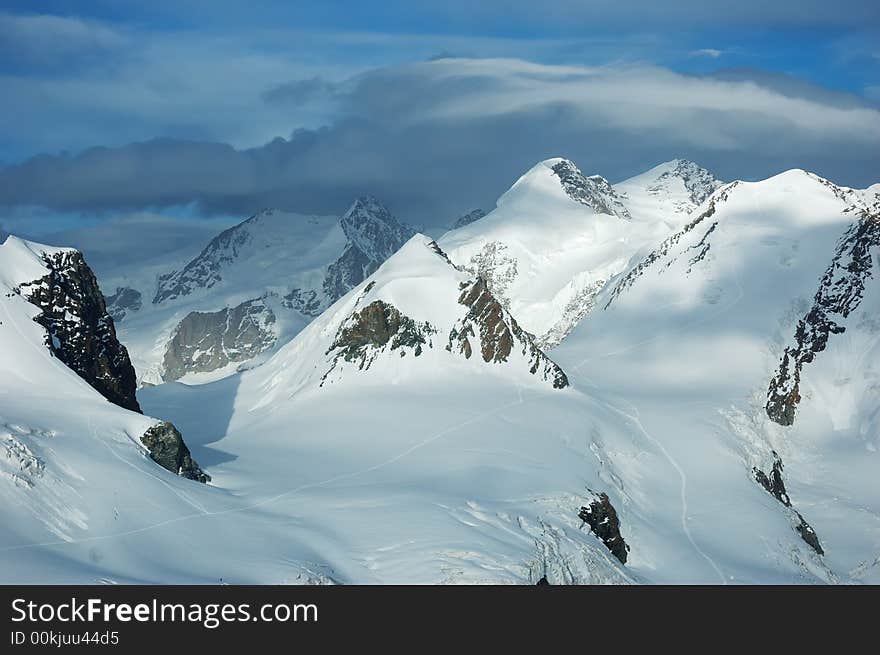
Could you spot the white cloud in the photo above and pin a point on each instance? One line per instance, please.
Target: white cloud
(44, 38)
(712, 53)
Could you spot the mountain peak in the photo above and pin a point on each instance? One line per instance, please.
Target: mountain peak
(373, 229)
(699, 182)
(594, 191)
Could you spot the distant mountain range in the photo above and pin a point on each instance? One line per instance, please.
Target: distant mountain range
(671, 379)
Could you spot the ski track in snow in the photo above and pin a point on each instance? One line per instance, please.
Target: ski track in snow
(311, 485)
(203, 512)
(634, 418)
(682, 476)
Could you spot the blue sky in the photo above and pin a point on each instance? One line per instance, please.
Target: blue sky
(350, 92)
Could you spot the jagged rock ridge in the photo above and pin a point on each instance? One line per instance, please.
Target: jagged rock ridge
(497, 334)
(205, 270)
(373, 234)
(594, 191)
(775, 486)
(666, 246)
(79, 331)
(840, 292)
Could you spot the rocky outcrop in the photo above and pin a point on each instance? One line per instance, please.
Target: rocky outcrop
(602, 518)
(167, 449)
(773, 483)
(207, 341)
(496, 333)
(378, 326)
(775, 486)
(467, 219)
(594, 191)
(123, 301)
(79, 331)
(373, 234)
(840, 293)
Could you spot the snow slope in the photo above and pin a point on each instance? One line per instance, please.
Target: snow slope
(413, 433)
(689, 340)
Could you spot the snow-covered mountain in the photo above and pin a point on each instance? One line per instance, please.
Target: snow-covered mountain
(557, 236)
(668, 192)
(747, 343)
(252, 287)
(714, 419)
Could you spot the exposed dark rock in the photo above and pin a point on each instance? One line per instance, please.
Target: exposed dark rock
(352, 267)
(808, 535)
(839, 294)
(467, 219)
(124, 300)
(373, 234)
(79, 331)
(702, 246)
(594, 191)
(498, 334)
(206, 341)
(367, 332)
(542, 582)
(775, 486)
(435, 247)
(773, 483)
(601, 516)
(168, 450)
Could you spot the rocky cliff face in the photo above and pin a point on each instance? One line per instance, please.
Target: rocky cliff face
(594, 191)
(207, 341)
(775, 486)
(840, 293)
(373, 234)
(496, 333)
(168, 450)
(602, 518)
(79, 331)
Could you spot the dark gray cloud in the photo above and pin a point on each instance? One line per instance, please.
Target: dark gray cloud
(299, 92)
(437, 138)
